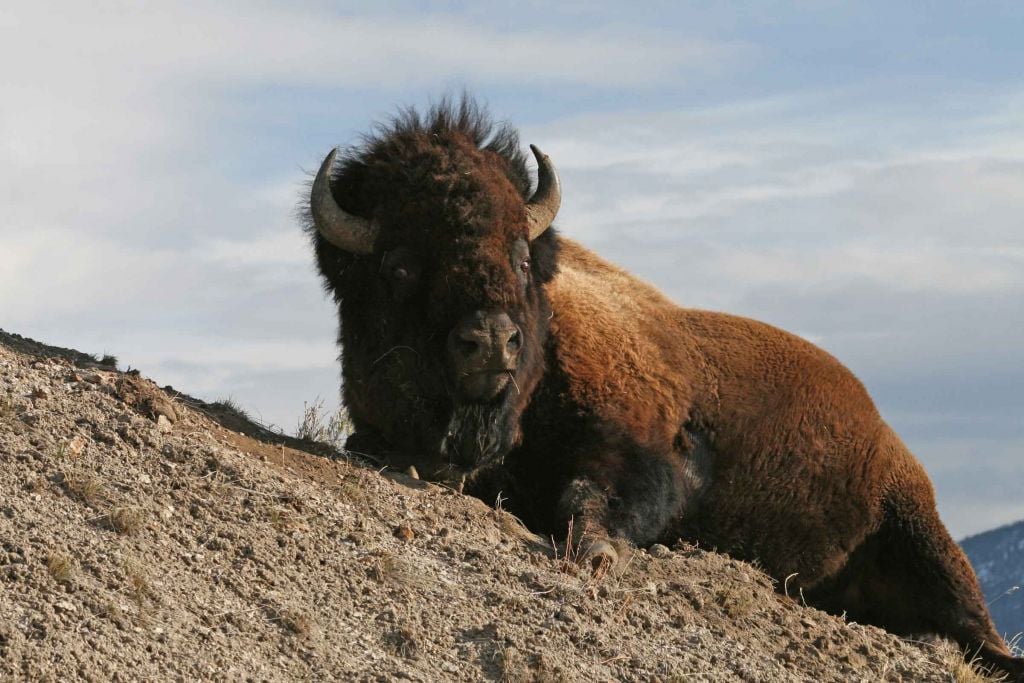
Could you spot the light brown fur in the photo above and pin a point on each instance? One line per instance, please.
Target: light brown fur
(807, 478)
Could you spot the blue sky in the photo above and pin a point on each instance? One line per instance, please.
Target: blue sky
(851, 172)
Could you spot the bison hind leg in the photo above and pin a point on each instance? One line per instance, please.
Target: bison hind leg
(911, 578)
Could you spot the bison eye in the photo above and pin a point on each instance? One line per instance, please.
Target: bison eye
(400, 273)
(525, 266)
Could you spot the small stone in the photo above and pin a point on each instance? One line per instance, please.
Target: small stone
(40, 392)
(145, 478)
(404, 533)
(65, 606)
(659, 551)
(93, 378)
(163, 424)
(76, 446)
(492, 535)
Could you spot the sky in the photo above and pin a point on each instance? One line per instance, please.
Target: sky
(851, 172)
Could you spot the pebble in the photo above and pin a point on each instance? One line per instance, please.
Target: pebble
(404, 533)
(65, 606)
(76, 446)
(163, 424)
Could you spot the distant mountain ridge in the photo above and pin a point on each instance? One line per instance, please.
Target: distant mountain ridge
(998, 559)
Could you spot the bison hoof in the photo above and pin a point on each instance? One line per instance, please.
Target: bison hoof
(601, 556)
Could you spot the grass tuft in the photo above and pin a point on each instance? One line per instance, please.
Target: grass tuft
(85, 487)
(291, 620)
(125, 519)
(7, 405)
(319, 426)
(61, 567)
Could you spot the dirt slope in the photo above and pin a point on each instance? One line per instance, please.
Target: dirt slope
(146, 535)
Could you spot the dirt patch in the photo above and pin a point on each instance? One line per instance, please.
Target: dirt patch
(200, 546)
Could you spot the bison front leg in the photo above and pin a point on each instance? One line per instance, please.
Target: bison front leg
(628, 493)
(584, 506)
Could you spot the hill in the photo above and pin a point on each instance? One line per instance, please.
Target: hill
(998, 559)
(149, 535)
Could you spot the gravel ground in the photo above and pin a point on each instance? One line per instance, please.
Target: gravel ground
(147, 535)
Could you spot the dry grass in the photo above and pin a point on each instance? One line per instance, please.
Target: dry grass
(963, 666)
(85, 486)
(137, 583)
(61, 567)
(390, 569)
(736, 601)
(125, 519)
(292, 620)
(512, 665)
(402, 642)
(319, 426)
(7, 405)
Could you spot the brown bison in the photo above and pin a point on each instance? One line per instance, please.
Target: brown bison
(481, 346)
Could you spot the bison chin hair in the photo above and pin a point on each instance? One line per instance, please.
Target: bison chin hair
(479, 435)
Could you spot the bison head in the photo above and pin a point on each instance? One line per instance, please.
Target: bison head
(436, 252)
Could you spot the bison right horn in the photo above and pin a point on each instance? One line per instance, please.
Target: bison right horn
(340, 228)
(543, 205)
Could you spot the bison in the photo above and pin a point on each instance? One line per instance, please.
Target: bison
(484, 348)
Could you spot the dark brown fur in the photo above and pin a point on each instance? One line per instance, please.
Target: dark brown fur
(629, 415)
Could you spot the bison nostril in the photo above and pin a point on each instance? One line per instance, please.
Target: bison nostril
(466, 347)
(515, 340)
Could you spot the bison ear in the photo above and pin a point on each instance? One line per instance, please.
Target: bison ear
(544, 255)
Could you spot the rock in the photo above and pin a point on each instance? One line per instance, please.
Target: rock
(40, 392)
(659, 551)
(65, 606)
(163, 424)
(492, 535)
(75, 446)
(403, 532)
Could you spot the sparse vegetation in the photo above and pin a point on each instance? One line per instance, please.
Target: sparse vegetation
(60, 566)
(125, 519)
(402, 642)
(6, 405)
(231, 406)
(296, 622)
(320, 426)
(84, 486)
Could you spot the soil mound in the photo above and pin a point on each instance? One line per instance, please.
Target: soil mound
(150, 536)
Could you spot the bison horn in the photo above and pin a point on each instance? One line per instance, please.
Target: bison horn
(340, 228)
(543, 205)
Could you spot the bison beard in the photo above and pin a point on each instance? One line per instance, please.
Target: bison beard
(479, 436)
(631, 416)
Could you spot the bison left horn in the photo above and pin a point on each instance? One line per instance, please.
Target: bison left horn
(543, 205)
(340, 228)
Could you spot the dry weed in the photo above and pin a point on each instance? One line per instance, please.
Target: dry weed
(126, 519)
(85, 486)
(735, 601)
(388, 568)
(292, 620)
(402, 642)
(7, 405)
(319, 426)
(61, 567)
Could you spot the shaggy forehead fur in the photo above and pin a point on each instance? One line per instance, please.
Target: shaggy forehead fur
(452, 187)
